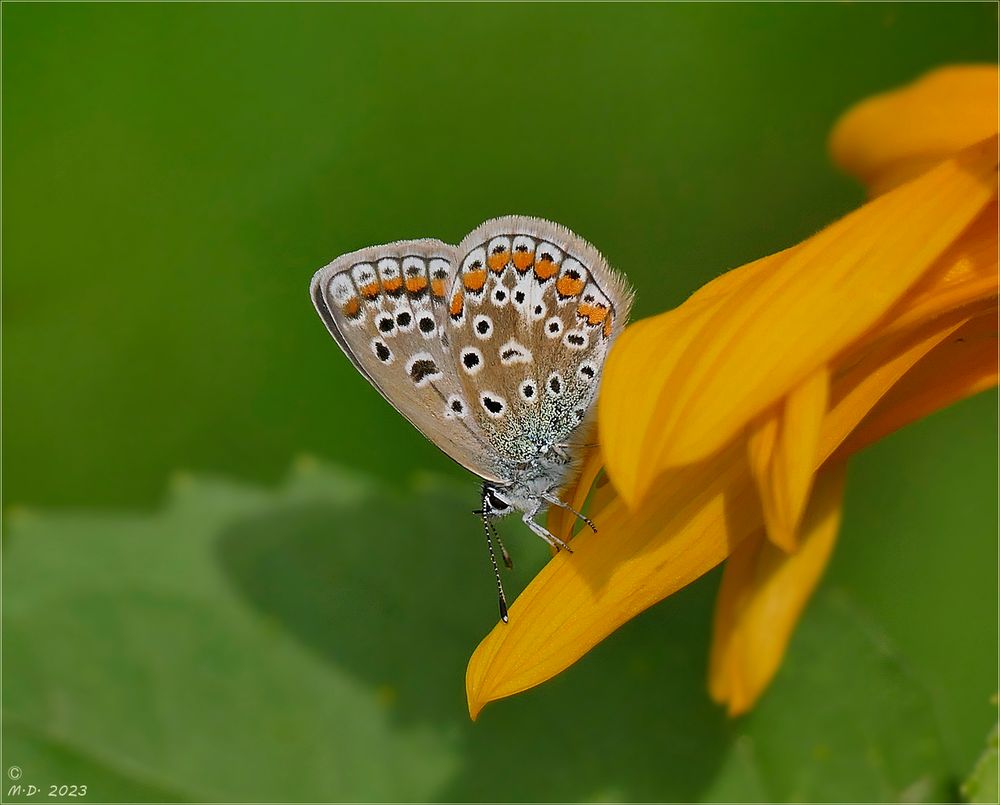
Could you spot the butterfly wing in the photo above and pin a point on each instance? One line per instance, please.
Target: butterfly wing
(533, 311)
(386, 308)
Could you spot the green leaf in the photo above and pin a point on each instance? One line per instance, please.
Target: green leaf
(310, 644)
(982, 785)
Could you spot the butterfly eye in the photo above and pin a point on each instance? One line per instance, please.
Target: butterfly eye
(495, 503)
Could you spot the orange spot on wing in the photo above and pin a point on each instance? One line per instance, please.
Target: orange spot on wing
(607, 326)
(498, 261)
(457, 304)
(569, 286)
(474, 280)
(523, 260)
(545, 269)
(393, 286)
(352, 307)
(418, 284)
(370, 291)
(594, 314)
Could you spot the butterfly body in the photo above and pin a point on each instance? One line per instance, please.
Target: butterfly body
(493, 348)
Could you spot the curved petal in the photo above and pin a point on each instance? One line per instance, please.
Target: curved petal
(699, 516)
(630, 390)
(919, 360)
(963, 277)
(857, 389)
(681, 385)
(782, 453)
(764, 590)
(705, 508)
(890, 138)
(960, 365)
(638, 558)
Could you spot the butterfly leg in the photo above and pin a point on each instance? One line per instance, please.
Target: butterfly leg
(556, 502)
(544, 533)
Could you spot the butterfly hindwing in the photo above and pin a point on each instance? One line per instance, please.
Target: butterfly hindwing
(386, 306)
(533, 310)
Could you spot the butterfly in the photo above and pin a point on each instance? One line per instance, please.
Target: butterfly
(493, 349)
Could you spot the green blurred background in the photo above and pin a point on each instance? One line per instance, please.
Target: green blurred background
(195, 611)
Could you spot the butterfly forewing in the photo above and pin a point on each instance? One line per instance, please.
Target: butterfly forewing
(532, 312)
(387, 308)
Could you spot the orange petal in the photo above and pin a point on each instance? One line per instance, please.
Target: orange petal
(639, 356)
(857, 389)
(638, 558)
(891, 138)
(965, 276)
(708, 368)
(763, 592)
(959, 365)
(702, 513)
(782, 452)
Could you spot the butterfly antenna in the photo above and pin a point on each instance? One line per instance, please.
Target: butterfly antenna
(502, 599)
(503, 550)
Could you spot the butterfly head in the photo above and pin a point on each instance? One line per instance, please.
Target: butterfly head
(496, 502)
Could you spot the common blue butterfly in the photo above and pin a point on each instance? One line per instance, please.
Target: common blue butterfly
(493, 349)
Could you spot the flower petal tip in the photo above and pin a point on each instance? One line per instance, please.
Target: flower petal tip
(473, 701)
(890, 138)
(475, 708)
(479, 674)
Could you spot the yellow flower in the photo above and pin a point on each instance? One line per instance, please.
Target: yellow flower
(725, 423)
